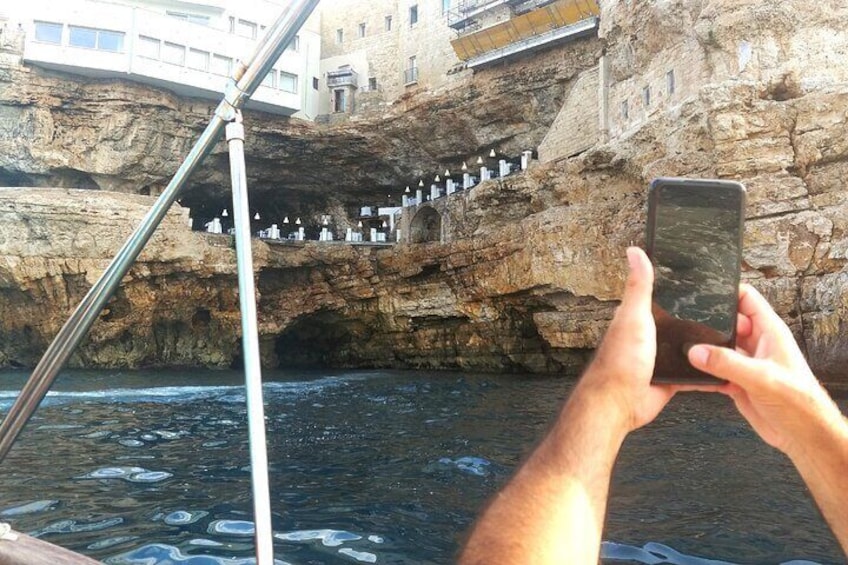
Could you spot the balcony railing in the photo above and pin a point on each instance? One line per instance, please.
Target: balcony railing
(342, 77)
(410, 76)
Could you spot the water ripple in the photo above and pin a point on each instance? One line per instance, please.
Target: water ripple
(362, 556)
(469, 465)
(72, 526)
(653, 553)
(161, 553)
(329, 538)
(232, 527)
(184, 517)
(131, 474)
(29, 508)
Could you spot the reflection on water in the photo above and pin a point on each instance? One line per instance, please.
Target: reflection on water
(375, 467)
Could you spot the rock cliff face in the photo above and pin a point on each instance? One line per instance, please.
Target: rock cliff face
(528, 277)
(64, 131)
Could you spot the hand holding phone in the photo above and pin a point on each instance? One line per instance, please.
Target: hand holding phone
(694, 240)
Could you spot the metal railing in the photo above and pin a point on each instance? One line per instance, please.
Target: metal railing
(342, 77)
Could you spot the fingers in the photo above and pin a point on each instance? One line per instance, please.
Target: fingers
(729, 365)
(764, 322)
(757, 308)
(744, 326)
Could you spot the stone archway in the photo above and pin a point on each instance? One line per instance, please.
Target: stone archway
(426, 226)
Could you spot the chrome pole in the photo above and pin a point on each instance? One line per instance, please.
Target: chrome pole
(250, 348)
(245, 80)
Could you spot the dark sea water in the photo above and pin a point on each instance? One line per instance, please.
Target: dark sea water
(375, 467)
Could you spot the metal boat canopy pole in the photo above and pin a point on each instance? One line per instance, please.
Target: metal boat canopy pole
(245, 80)
(250, 346)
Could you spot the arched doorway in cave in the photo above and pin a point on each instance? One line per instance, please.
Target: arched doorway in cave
(426, 226)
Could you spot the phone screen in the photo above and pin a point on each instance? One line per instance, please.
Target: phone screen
(694, 240)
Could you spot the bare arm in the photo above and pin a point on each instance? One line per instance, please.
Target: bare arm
(774, 389)
(552, 511)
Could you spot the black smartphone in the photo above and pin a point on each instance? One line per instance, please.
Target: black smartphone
(694, 240)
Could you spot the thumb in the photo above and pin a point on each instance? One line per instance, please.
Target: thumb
(640, 281)
(730, 365)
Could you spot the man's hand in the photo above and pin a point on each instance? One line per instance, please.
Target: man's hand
(623, 365)
(770, 381)
(774, 389)
(552, 511)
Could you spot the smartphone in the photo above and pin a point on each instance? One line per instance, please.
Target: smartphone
(694, 240)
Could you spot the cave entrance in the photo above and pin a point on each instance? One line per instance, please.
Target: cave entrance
(426, 226)
(314, 341)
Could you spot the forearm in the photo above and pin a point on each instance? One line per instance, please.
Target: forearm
(553, 510)
(823, 464)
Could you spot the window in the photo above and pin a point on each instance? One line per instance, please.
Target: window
(413, 15)
(388, 23)
(83, 37)
(232, 24)
(339, 100)
(91, 38)
(288, 82)
(372, 83)
(669, 81)
(173, 53)
(198, 59)
(646, 96)
(270, 79)
(410, 75)
(110, 40)
(191, 18)
(625, 110)
(295, 44)
(222, 65)
(339, 36)
(148, 47)
(315, 83)
(246, 29)
(361, 31)
(445, 6)
(48, 32)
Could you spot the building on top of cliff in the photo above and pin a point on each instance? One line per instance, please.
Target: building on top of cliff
(493, 30)
(375, 52)
(188, 47)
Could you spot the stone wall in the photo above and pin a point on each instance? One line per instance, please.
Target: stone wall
(387, 52)
(576, 127)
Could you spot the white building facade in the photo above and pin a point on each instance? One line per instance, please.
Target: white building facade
(187, 47)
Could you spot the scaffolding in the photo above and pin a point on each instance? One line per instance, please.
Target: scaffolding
(553, 21)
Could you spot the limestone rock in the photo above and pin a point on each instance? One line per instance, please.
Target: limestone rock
(531, 265)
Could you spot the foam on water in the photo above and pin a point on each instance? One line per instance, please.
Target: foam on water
(469, 465)
(130, 474)
(29, 508)
(177, 394)
(653, 553)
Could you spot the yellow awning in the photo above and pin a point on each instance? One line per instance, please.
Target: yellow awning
(541, 20)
